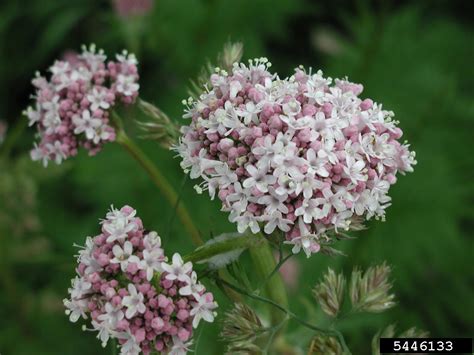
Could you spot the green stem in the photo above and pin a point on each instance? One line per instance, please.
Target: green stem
(161, 182)
(275, 270)
(264, 262)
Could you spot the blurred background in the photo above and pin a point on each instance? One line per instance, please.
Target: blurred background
(414, 56)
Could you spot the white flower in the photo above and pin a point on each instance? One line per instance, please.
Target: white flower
(317, 162)
(86, 124)
(203, 309)
(80, 287)
(34, 115)
(105, 331)
(51, 120)
(152, 240)
(38, 153)
(306, 241)
(292, 107)
(268, 150)
(289, 184)
(276, 220)
(192, 288)
(115, 214)
(118, 228)
(127, 58)
(179, 347)
(102, 134)
(288, 162)
(355, 170)
(178, 270)
(234, 88)
(249, 112)
(75, 309)
(199, 164)
(113, 315)
(223, 121)
(127, 85)
(59, 68)
(364, 201)
(308, 185)
(97, 99)
(55, 150)
(258, 178)
(239, 198)
(273, 201)
(226, 176)
(92, 56)
(245, 221)
(130, 347)
(123, 256)
(152, 260)
(310, 210)
(133, 302)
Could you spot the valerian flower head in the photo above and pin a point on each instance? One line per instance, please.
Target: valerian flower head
(370, 292)
(129, 290)
(72, 107)
(330, 292)
(304, 155)
(241, 327)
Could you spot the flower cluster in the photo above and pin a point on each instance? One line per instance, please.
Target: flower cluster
(72, 107)
(305, 155)
(131, 293)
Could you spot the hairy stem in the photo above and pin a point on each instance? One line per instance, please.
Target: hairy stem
(161, 182)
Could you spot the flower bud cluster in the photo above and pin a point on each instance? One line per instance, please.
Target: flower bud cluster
(72, 107)
(130, 292)
(304, 155)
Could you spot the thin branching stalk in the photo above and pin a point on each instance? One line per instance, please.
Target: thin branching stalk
(330, 332)
(160, 181)
(277, 268)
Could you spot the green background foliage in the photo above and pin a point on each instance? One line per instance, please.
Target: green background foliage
(415, 57)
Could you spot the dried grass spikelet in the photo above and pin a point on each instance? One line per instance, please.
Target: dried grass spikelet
(159, 127)
(370, 292)
(241, 328)
(330, 292)
(326, 345)
(230, 54)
